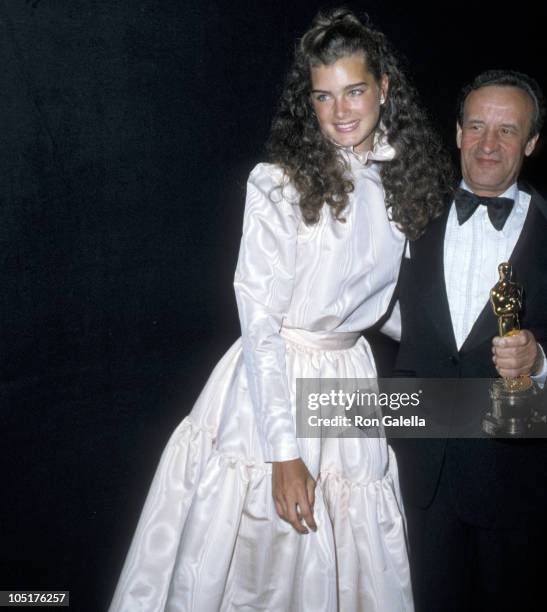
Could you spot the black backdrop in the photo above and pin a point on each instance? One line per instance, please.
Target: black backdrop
(128, 128)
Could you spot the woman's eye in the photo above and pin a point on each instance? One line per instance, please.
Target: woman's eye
(321, 97)
(355, 92)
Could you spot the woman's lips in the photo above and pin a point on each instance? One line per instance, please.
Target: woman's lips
(347, 126)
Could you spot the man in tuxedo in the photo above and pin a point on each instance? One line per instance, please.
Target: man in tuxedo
(477, 508)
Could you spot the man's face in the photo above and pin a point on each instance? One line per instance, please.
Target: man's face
(494, 138)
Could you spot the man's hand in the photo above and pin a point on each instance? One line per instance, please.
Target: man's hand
(516, 355)
(293, 490)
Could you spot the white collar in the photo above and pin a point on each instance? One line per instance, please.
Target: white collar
(511, 192)
(381, 149)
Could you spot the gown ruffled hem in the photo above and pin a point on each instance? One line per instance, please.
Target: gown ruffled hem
(208, 520)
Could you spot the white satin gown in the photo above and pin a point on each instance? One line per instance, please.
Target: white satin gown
(209, 538)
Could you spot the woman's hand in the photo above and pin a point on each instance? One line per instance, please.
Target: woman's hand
(293, 490)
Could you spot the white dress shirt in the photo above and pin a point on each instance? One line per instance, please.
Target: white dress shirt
(472, 254)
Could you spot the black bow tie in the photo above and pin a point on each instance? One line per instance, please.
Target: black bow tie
(498, 208)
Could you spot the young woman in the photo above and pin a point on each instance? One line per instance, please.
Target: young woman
(242, 514)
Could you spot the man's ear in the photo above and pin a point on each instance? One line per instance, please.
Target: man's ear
(531, 145)
(458, 135)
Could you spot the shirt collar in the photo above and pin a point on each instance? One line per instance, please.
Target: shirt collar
(514, 194)
(511, 192)
(381, 149)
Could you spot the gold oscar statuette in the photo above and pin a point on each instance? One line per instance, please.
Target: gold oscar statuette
(506, 300)
(511, 399)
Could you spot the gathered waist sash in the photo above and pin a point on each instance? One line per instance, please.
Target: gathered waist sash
(320, 340)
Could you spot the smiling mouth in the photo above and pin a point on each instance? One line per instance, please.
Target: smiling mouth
(487, 161)
(348, 126)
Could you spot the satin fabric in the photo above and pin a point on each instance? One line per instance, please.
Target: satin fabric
(209, 538)
(331, 276)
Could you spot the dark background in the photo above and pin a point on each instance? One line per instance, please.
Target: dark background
(128, 129)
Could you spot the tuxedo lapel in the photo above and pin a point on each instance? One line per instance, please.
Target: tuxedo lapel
(429, 250)
(484, 329)
(527, 267)
(529, 258)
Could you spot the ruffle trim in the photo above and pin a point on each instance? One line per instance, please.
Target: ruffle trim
(189, 432)
(195, 485)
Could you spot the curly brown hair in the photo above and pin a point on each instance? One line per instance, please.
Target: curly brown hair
(417, 182)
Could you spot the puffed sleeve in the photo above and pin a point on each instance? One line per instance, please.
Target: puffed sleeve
(264, 281)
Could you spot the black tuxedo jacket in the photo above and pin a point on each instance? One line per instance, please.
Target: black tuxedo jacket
(493, 482)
